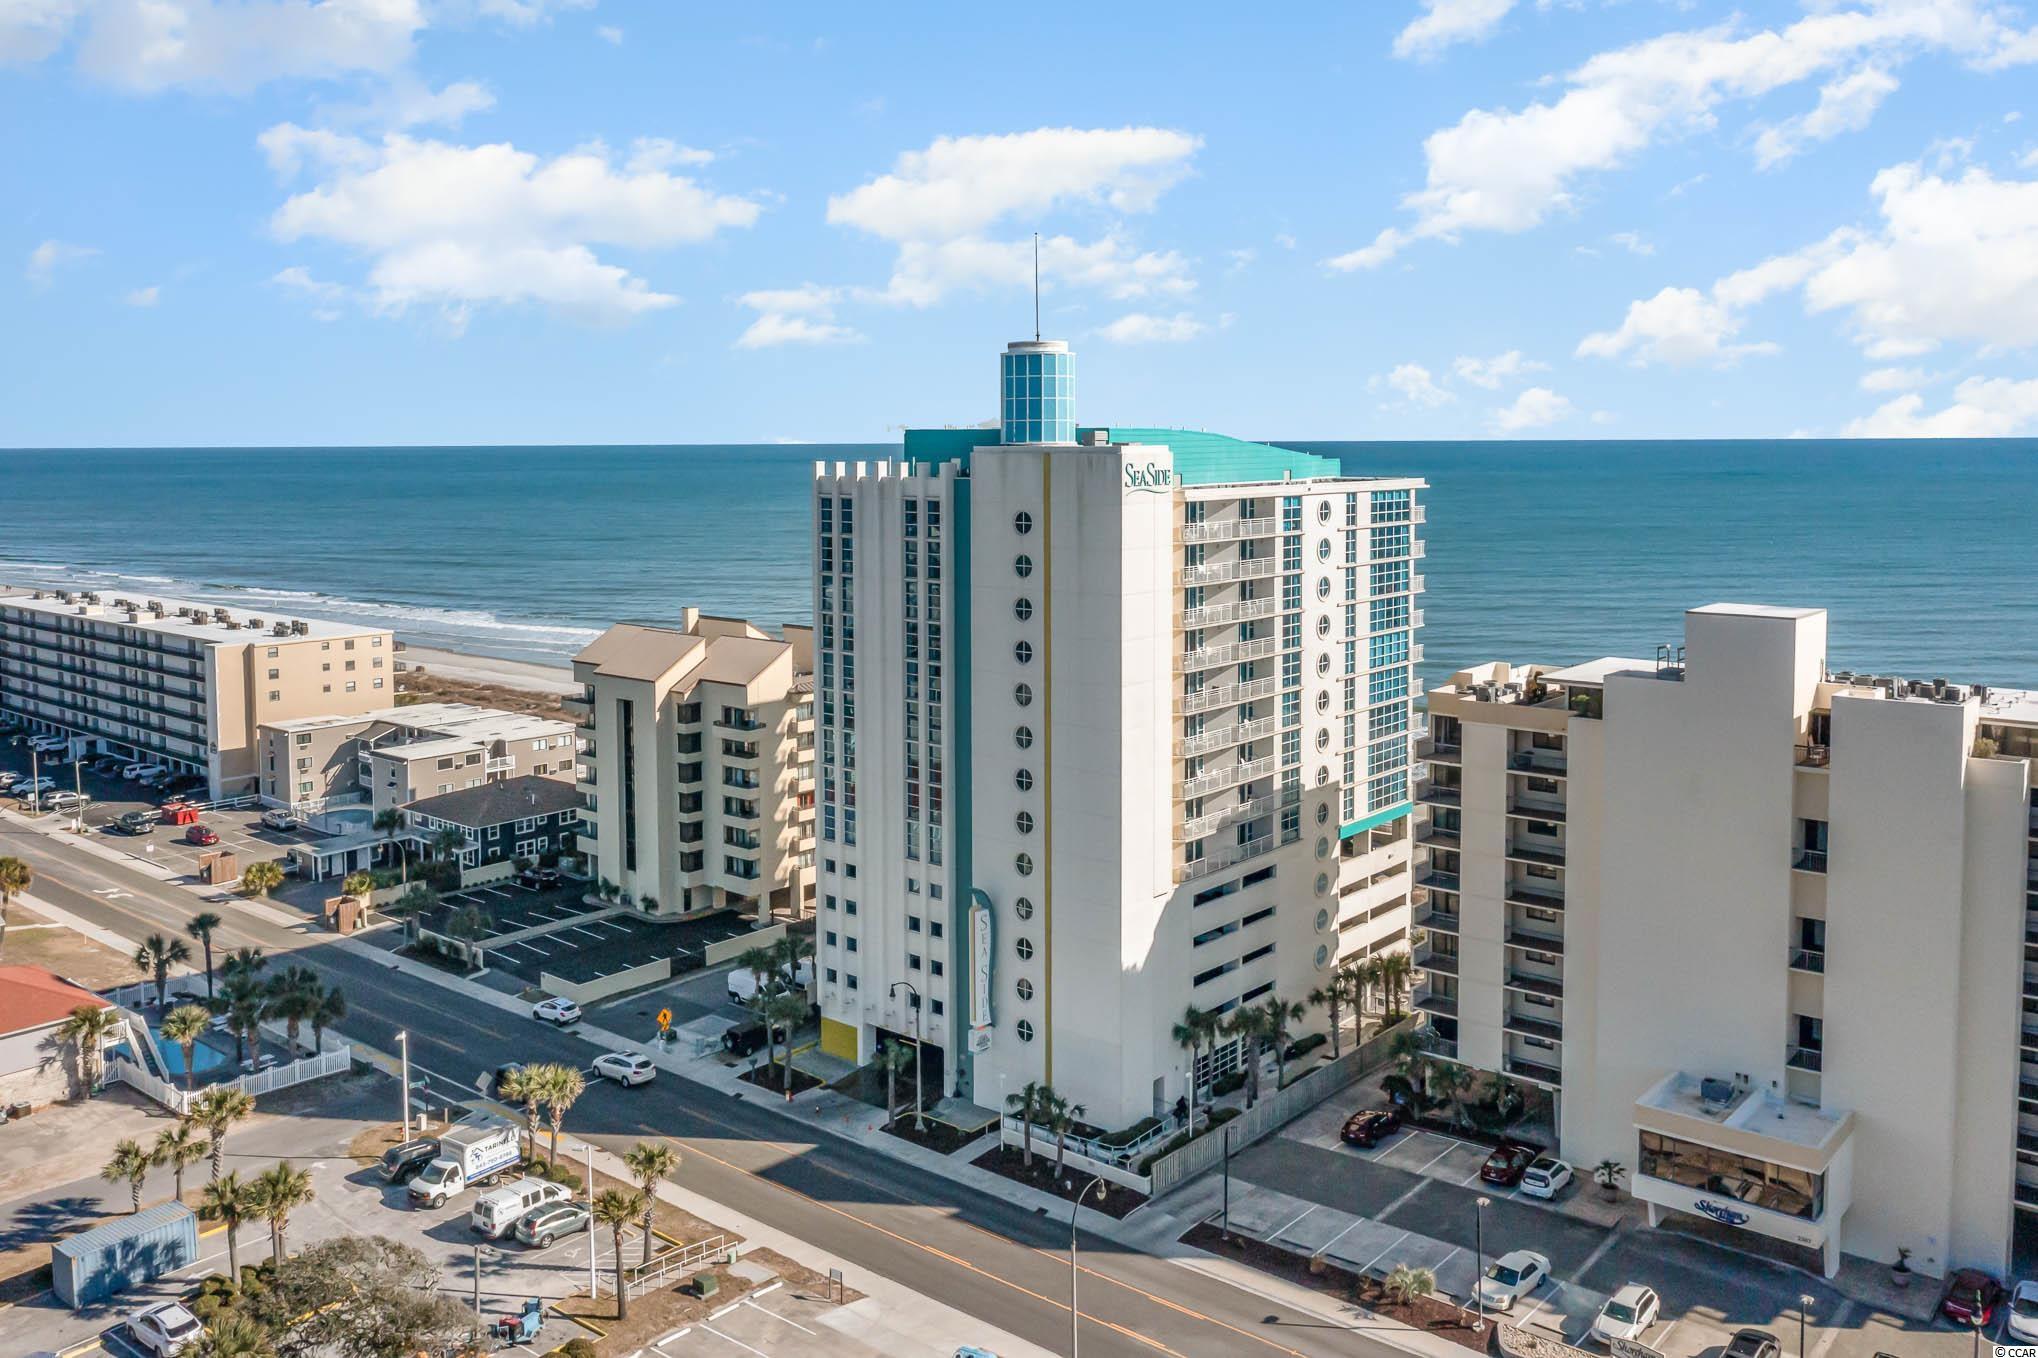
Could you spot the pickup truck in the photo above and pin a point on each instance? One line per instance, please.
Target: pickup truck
(468, 1155)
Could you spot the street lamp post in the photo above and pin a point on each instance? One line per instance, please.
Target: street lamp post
(1804, 1304)
(1227, 1184)
(919, 1119)
(1479, 1251)
(1076, 1315)
(403, 1045)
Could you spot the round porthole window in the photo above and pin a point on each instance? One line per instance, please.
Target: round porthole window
(1024, 1029)
(1023, 908)
(1024, 988)
(1022, 609)
(1323, 511)
(1022, 694)
(1022, 565)
(1023, 737)
(1322, 920)
(1024, 822)
(1022, 523)
(1023, 865)
(1323, 664)
(1322, 884)
(1322, 955)
(1323, 700)
(1322, 816)
(1323, 625)
(1023, 780)
(1024, 947)
(1323, 550)
(1322, 846)
(1023, 652)
(1322, 774)
(1322, 739)
(1323, 588)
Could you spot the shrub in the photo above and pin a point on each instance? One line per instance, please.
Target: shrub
(578, 1347)
(1126, 1136)
(1218, 1117)
(1227, 1084)
(1302, 1046)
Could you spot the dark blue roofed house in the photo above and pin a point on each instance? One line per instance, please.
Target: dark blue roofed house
(530, 817)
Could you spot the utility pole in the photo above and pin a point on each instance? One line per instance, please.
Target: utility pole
(1479, 1246)
(403, 1043)
(477, 1294)
(77, 790)
(593, 1248)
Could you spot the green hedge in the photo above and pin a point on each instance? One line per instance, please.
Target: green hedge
(1227, 1084)
(1127, 1135)
(1302, 1046)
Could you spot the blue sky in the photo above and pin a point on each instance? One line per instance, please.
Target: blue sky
(479, 221)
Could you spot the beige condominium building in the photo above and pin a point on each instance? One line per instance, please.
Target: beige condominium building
(698, 770)
(184, 685)
(393, 756)
(1762, 931)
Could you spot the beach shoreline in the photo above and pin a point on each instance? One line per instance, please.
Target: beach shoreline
(494, 671)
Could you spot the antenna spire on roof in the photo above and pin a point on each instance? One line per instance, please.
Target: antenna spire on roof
(1036, 287)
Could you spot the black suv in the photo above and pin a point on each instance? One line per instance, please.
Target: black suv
(400, 1164)
(743, 1039)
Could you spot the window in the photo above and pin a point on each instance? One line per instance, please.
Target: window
(276, 696)
(274, 675)
(1023, 652)
(1024, 989)
(912, 961)
(1023, 737)
(1023, 780)
(1023, 908)
(1024, 822)
(1024, 1030)
(1023, 864)
(1022, 565)
(1022, 609)
(1022, 694)
(912, 924)
(1022, 523)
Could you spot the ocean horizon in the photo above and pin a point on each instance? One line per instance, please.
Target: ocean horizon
(1555, 551)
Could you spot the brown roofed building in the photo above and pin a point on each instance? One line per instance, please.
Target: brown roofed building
(35, 1068)
(699, 765)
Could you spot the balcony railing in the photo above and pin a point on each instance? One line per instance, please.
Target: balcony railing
(1244, 610)
(1532, 1027)
(1551, 855)
(1442, 963)
(1538, 985)
(1812, 1059)
(1810, 860)
(1534, 942)
(1229, 775)
(1537, 761)
(1219, 859)
(1431, 1002)
(1222, 737)
(1533, 1070)
(1229, 695)
(1227, 530)
(1808, 959)
(1522, 809)
(1437, 752)
(1439, 794)
(1219, 572)
(1813, 756)
(1542, 898)
(1442, 921)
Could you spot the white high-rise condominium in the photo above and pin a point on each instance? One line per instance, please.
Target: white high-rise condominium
(1111, 722)
(1760, 931)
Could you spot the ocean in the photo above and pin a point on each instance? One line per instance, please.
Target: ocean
(1924, 553)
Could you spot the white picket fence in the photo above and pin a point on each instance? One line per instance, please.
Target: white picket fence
(336, 1059)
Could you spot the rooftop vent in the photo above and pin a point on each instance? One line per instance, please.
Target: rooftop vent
(301, 627)
(281, 629)
(1717, 1091)
(156, 607)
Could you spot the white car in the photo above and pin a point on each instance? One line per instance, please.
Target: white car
(558, 1009)
(625, 1068)
(134, 771)
(1545, 1177)
(1628, 1314)
(1512, 1276)
(165, 1330)
(275, 819)
(2023, 1311)
(66, 801)
(33, 787)
(44, 744)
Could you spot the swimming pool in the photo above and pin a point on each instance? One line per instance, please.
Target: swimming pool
(346, 818)
(203, 1057)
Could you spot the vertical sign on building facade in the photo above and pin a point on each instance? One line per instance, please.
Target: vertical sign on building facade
(980, 973)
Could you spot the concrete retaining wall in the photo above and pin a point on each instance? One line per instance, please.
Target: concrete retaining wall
(729, 949)
(487, 873)
(615, 983)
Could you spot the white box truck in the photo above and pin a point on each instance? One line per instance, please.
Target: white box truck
(468, 1155)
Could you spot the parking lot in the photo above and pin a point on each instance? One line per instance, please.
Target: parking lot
(777, 1321)
(584, 948)
(1413, 1200)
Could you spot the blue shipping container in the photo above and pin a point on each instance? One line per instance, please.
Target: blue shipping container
(125, 1252)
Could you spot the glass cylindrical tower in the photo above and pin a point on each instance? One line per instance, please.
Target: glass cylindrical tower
(1037, 391)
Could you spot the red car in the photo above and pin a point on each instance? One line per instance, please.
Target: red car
(1971, 1298)
(1504, 1167)
(201, 835)
(1369, 1126)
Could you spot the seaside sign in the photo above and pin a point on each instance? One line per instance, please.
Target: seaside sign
(1725, 1216)
(1151, 478)
(980, 967)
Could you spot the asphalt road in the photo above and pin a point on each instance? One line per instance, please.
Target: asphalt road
(985, 1256)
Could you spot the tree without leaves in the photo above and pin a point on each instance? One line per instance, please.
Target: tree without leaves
(229, 1200)
(615, 1209)
(184, 1025)
(650, 1163)
(86, 1031)
(279, 1191)
(156, 956)
(202, 927)
(129, 1164)
(217, 1110)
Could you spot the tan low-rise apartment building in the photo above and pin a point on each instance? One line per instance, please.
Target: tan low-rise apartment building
(1763, 932)
(698, 767)
(393, 756)
(184, 685)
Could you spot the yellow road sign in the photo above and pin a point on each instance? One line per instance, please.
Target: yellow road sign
(664, 1018)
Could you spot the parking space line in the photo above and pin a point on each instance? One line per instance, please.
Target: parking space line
(737, 1342)
(1439, 1155)
(1383, 1253)
(752, 1304)
(1283, 1230)
(1347, 1231)
(1598, 1253)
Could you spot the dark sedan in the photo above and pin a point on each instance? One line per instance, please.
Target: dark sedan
(1369, 1126)
(1505, 1166)
(1971, 1298)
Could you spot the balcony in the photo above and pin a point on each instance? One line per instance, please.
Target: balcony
(1819, 757)
(1438, 881)
(741, 724)
(1520, 893)
(1222, 572)
(1435, 920)
(504, 765)
(1532, 1027)
(1548, 855)
(1230, 530)
(1430, 960)
(1235, 812)
(1226, 653)
(1437, 752)
(1810, 860)
(1431, 1002)
(1440, 794)
(1549, 762)
(1529, 942)
(1229, 695)
(1229, 775)
(1222, 737)
(1535, 985)
(739, 749)
(688, 773)
(1534, 1071)
(1218, 860)
(1520, 808)
(1808, 959)
(1438, 836)
(1811, 1059)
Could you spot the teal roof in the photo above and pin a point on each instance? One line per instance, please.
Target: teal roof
(1200, 459)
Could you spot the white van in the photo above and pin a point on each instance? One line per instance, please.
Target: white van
(497, 1211)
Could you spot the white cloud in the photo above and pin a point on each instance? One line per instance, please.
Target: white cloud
(1140, 328)
(1845, 105)
(1535, 408)
(1412, 383)
(1284, 240)
(1678, 326)
(460, 226)
(144, 297)
(325, 298)
(610, 34)
(801, 315)
(1491, 372)
(1444, 22)
(1633, 243)
(407, 101)
(32, 29)
(45, 259)
(662, 153)
(1241, 258)
(1894, 379)
(145, 46)
(1983, 407)
(2029, 160)
(1507, 170)
(526, 13)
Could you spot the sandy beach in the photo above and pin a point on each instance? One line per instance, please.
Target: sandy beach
(436, 673)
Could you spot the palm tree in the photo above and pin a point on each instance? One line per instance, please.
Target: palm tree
(1450, 1080)
(1062, 1116)
(526, 1085)
(201, 928)
(387, 822)
(244, 962)
(156, 956)
(563, 1086)
(259, 879)
(1188, 1034)
(1248, 1024)
(1369, 982)
(15, 879)
(87, 1029)
(179, 1147)
(217, 1110)
(1395, 969)
(448, 842)
(1279, 1016)
(229, 1200)
(650, 1163)
(279, 1191)
(788, 953)
(233, 1335)
(467, 924)
(243, 1001)
(293, 996)
(1405, 1284)
(785, 1011)
(1026, 1103)
(762, 965)
(616, 1208)
(1410, 1050)
(892, 1058)
(328, 1008)
(130, 1165)
(1343, 988)
(184, 1025)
